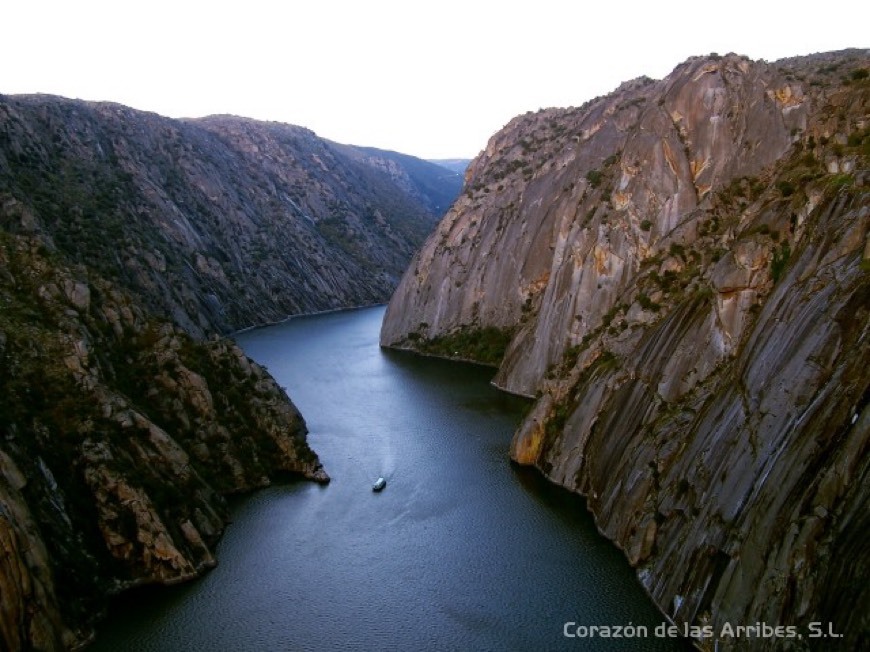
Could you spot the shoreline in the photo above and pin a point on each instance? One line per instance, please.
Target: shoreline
(284, 320)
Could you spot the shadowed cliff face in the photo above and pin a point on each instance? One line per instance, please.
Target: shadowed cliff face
(681, 271)
(120, 434)
(127, 241)
(218, 223)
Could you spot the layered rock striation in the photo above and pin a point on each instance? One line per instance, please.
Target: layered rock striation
(217, 223)
(119, 436)
(129, 243)
(679, 272)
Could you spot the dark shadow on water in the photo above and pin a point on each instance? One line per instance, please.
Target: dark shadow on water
(151, 603)
(440, 371)
(437, 367)
(571, 509)
(549, 495)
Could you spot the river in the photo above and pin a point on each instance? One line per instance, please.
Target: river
(461, 551)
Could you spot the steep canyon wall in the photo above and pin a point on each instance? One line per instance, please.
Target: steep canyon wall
(129, 245)
(679, 273)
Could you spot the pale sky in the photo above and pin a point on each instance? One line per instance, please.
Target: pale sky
(431, 79)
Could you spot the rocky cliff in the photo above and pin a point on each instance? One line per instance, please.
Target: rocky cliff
(679, 272)
(217, 223)
(128, 243)
(120, 434)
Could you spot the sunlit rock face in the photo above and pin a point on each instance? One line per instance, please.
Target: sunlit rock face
(680, 270)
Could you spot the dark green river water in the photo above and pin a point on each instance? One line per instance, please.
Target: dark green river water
(461, 551)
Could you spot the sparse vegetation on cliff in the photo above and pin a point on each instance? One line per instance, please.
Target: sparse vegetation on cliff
(698, 343)
(128, 430)
(483, 345)
(218, 223)
(128, 243)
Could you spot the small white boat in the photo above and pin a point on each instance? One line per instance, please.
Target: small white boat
(379, 484)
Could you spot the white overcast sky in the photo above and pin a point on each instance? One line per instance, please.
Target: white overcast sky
(432, 79)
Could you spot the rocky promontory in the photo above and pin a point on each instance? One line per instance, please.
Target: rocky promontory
(119, 436)
(679, 273)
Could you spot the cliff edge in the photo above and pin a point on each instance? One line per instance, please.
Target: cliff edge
(679, 273)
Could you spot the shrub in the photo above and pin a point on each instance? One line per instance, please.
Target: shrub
(779, 261)
(786, 189)
(704, 293)
(485, 345)
(556, 422)
(572, 354)
(646, 303)
(683, 487)
(594, 178)
(645, 225)
(841, 181)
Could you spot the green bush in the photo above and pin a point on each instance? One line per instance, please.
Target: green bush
(779, 261)
(646, 303)
(594, 178)
(786, 189)
(485, 345)
(841, 181)
(677, 250)
(556, 422)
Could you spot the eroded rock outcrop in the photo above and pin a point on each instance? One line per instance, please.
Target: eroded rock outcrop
(119, 436)
(680, 271)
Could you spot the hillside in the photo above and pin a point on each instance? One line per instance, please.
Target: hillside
(458, 165)
(120, 435)
(678, 273)
(432, 185)
(218, 223)
(128, 244)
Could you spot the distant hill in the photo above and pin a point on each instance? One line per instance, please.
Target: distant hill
(429, 183)
(456, 164)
